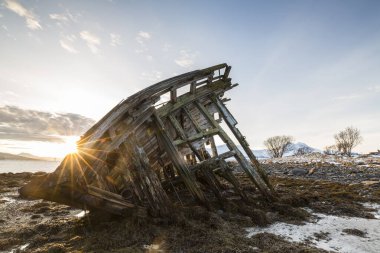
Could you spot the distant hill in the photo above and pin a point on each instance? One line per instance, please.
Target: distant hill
(27, 155)
(6, 156)
(299, 147)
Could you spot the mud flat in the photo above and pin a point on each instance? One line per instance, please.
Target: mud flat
(42, 226)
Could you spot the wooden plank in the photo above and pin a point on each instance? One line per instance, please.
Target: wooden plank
(182, 134)
(91, 170)
(226, 72)
(226, 172)
(213, 146)
(178, 161)
(251, 172)
(109, 196)
(213, 88)
(173, 95)
(197, 136)
(145, 179)
(153, 91)
(192, 120)
(231, 123)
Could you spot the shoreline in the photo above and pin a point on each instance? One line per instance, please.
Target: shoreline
(43, 226)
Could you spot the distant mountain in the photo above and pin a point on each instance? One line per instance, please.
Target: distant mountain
(27, 155)
(299, 148)
(294, 149)
(6, 156)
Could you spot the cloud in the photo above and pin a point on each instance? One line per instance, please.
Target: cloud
(115, 40)
(31, 20)
(64, 18)
(154, 76)
(142, 37)
(59, 17)
(66, 43)
(69, 48)
(91, 40)
(375, 88)
(186, 58)
(31, 125)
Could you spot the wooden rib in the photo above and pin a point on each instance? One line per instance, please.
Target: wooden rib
(231, 123)
(178, 161)
(251, 172)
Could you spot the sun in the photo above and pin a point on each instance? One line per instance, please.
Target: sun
(70, 145)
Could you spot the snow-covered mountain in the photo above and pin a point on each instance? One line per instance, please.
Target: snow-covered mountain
(294, 149)
(299, 148)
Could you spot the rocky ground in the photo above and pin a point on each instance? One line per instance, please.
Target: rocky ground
(347, 170)
(42, 226)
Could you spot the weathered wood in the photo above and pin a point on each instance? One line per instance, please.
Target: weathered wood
(231, 123)
(226, 173)
(178, 162)
(192, 120)
(182, 134)
(145, 179)
(213, 146)
(252, 173)
(198, 136)
(140, 151)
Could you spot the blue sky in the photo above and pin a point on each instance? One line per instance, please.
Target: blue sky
(305, 68)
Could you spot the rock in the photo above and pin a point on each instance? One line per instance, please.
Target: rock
(311, 171)
(299, 172)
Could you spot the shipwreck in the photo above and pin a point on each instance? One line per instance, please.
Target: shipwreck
(155, 150)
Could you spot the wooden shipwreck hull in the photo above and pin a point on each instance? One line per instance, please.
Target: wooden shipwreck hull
(145, 154)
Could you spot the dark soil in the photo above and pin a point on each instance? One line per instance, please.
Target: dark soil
(50, 227)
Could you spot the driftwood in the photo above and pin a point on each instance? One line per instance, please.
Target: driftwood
(145, 151)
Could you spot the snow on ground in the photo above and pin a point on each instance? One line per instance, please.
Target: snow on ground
(327, 232)
(337, 160)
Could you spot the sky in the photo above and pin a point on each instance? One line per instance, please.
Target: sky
(305, 68)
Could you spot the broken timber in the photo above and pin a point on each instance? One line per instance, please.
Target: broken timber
(144, 151)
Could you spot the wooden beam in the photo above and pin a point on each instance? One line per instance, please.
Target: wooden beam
(178, 161)
(145, 179)
(192, 120)
(213, 146)
(226, 173)
(197, 136)
(173, 95)
(212, 88)
(251, 172)
(231, 123)
(182, 134)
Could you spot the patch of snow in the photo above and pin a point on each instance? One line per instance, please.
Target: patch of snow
(337, 240)
(22, 248)
(81, 214)
(8, 199)
(373, 206)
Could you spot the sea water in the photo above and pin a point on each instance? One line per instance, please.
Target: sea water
(16, 166)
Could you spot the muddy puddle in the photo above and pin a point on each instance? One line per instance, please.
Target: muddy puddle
(332, 233)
